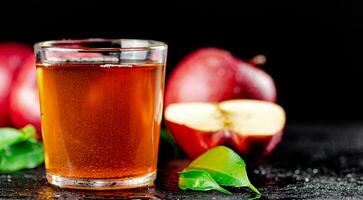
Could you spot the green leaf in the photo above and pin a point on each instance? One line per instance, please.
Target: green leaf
(9, 136)
(225, 166)
(26, 154)
(199, 180)
(29, 131)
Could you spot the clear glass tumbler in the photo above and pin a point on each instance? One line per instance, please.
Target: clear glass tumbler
(101, 107)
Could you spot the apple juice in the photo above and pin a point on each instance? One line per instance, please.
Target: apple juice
(101, 121)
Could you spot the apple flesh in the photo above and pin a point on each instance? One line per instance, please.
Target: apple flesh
(24, 100)
(214, 75)
(251, 127)
(12, 55)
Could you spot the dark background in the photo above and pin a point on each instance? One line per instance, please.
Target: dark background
(313, 49)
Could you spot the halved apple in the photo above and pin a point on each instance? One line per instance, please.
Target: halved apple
(251, 127)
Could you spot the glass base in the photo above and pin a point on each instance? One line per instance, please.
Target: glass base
(102, 184)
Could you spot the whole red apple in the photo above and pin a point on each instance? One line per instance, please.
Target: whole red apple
(214, 75)
(12, 55)
(252, 127)
(24, 101)
(5, 83)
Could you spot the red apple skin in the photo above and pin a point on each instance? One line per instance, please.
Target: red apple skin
(256, 83)
(214, 75)
(12, 55)
(24, 100)
(204, 75)
(5, 83)
(194, 142)
(255, 146)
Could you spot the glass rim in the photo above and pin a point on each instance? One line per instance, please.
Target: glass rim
(51, 45)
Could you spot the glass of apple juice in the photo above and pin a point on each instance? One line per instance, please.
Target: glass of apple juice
(101, 106)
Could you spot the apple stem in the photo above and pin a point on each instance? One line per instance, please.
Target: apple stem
(258, 60)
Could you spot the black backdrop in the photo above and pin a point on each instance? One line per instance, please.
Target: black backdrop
(313, 49)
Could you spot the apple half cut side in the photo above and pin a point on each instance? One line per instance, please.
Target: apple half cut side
(251, 127)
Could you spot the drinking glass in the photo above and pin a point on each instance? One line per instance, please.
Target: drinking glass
(101, 106)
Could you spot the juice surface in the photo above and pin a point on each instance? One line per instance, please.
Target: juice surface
(100, 121)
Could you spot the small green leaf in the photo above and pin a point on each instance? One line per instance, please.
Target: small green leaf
(225, 166)
(29, 131)
(199, 180)
(9, 136)
(22, 155)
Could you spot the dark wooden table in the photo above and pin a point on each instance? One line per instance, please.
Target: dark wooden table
(314, 161)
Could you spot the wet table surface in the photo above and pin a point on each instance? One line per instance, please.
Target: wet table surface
(313, 161)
